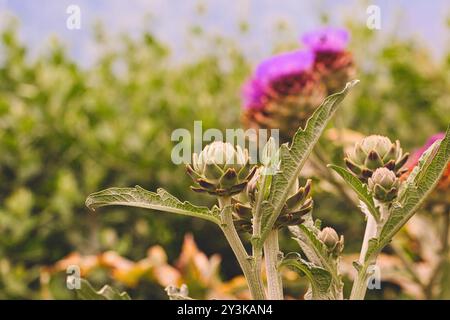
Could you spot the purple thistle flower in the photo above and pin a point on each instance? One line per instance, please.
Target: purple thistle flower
(284, 64)
(326, 39)
(253, 94)
(274, 69)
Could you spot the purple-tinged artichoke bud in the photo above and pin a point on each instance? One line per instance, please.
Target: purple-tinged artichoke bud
(242, 217)
(252, 186)
(297, 205)
(221, 169)
(329, 237)
(375, 152)
(384, 185)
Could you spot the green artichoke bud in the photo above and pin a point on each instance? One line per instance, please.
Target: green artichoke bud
(221, 169)
(242, 217)
(384, 185)
(374, 152)
(296, 206)
(331, 239)
(329, 236)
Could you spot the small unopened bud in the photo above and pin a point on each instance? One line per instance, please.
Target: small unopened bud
(384, 185)
(329, 236)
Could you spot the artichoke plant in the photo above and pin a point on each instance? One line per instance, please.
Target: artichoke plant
(375, 152)
(384, 185)
(221, 169)
(272, 201)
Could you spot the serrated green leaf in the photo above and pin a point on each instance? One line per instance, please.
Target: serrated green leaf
(359, 188)
(315, 250)
(311, 246)
(424, 178)
(87, 292)
(294, 157)
(372, 248)
(141, 198)
(319, 278)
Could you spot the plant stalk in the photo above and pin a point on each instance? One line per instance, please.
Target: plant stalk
(256, 222)
(271, 252)
(360, 285)
(247, 264)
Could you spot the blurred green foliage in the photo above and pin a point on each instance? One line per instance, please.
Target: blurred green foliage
(67, 131)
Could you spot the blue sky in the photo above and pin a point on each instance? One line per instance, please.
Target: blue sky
(170, 19)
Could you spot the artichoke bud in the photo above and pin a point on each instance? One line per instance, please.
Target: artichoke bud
(242, 216)
(329, 237)
(297, 199)
(297, 205)
(252, 186)
(221, 169)
(242, 211)
(375, 152)
(384, 185)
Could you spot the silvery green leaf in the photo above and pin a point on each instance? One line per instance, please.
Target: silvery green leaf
(319, 278)
(293, 158)
(317, 253)
(141, 198)
(87, 292)
(359, 188)
(314, 250)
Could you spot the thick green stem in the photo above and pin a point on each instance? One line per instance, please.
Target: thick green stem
(271, 252)
(256, 222)
(247, 264)
(360, 285)
(370, 232)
